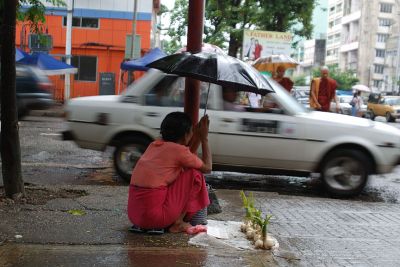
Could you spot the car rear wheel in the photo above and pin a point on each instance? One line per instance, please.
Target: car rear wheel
(345, 172)
(389, 117)
(127, 152)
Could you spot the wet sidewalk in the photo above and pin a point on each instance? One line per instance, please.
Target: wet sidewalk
(49, 234)
(310, 231)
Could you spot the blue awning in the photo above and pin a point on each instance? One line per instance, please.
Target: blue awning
(140, 64)
(48, 64)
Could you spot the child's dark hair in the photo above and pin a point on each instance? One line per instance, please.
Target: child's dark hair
(174, 126)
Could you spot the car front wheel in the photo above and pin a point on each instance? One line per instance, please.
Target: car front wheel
(127, 153)
(389, 117)
(345, 172)
(371, 115)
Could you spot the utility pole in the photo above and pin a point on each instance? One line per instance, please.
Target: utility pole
(135, 4)
(68, 41)
(194, 45)
(398, 48)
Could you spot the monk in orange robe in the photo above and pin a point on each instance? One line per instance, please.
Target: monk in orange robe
(323, 91)
(283, 81)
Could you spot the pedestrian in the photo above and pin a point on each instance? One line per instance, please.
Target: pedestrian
(167, 185)
(323, 91)
(356, 104)
(285, 82)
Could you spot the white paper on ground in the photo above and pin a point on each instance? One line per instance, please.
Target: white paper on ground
(216, 233)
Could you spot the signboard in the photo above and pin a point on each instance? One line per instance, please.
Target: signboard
(107, 83)
(128, 47)
(265, 43)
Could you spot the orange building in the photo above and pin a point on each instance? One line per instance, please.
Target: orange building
(98, 40)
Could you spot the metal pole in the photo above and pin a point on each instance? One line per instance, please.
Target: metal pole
(194, 45)
(68, 40)
(135, 4)
(398, 49)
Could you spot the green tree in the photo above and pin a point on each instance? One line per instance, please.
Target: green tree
(10, 145)
(345, 79)
(226, 20)
(299, 80)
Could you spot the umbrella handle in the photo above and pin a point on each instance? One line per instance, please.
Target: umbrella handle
(208, 92)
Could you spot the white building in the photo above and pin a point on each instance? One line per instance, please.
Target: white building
(358, 31)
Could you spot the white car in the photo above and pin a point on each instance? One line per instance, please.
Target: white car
(289, 140)
(344, 105)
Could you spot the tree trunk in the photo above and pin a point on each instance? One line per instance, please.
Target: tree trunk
(234, 46)
(10, 147)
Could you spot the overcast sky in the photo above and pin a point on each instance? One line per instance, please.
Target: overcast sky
(168, 3)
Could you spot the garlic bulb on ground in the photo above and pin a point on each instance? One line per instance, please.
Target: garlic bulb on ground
(259, 244)
(269, 242)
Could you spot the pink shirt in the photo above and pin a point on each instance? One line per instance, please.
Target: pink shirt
(161, 164)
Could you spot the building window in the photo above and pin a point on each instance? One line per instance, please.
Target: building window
(380, 53)
(385, 22)
(386, 8)
(381, 38)
(339, 8)
(378, 83)
(379, 68)
(87, 68)
(330, 24)
(83, 22)
(332, 10)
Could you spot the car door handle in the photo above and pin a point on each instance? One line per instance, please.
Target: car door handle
(229, 120)
(152, 114)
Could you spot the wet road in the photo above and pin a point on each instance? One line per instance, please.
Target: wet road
(46, 159)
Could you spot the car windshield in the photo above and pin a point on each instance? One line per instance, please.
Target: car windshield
(393, 101)
(345, 99)
(284, 98)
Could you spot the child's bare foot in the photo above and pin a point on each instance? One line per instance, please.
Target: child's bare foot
(179, 227)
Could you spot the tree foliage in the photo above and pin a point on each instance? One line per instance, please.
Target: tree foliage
(33, 13)
(226, 20)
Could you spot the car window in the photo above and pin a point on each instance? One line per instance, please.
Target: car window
(381, 101)
(393, 101)
(170, 92)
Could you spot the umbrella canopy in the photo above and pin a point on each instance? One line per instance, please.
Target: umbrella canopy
(270, 63)
(19, 54)
(215, 68)
(361, 87)
(140, 64)
(48, 64)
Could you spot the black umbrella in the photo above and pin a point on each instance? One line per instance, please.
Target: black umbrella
(215, 68)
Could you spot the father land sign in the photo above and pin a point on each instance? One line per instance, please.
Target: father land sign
(265, 43)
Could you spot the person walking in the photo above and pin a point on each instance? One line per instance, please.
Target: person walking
(356, 104)
(323, 91)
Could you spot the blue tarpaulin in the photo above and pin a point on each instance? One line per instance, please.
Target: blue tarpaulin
(19, 54)
(140, 64)
(48, 64)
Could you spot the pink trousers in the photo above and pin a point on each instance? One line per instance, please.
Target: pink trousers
(161, 207)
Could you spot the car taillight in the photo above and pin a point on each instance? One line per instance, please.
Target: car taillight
(46, 86)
